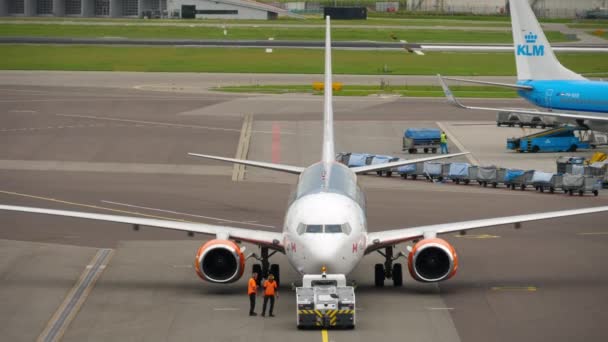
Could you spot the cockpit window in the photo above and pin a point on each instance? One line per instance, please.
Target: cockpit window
(314, 228)
(328, 228)
(333, 228)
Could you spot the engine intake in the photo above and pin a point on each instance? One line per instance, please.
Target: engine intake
(219, 261)
(432, 260)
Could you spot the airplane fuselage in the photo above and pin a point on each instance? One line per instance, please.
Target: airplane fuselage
(325, 223)
(572, 95)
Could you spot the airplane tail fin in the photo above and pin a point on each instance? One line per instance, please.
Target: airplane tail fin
(533, 54)
(329, 154)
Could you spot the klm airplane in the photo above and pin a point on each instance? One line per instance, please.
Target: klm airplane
(543, 81)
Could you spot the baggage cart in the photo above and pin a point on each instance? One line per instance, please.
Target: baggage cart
(425, 139)
(409, 170)
(581, 184)
(562, 163)
(459, 172)
(543, 181)
(487, 175)
(518, 178)
(433, 171)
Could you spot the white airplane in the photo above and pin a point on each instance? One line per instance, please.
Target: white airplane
(543, 81)
(325, 224)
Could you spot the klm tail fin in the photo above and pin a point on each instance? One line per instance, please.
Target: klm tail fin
(533, 55)
(329, 154)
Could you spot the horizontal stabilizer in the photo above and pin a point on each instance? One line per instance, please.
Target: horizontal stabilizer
(497, 84)
(386, 166)
(270, 166)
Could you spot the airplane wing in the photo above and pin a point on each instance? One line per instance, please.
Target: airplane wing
(271, 166)
(391, 237)
(385, 166)
(577, 117)
(260, 237)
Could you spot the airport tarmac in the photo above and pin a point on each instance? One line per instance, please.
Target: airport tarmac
(117, 150)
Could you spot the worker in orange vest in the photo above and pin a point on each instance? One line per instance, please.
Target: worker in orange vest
(270, 291)
(252, 290)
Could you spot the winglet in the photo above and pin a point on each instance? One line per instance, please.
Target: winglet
(448, 93)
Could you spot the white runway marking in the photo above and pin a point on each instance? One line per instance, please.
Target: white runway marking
(226, 309)
(23, 111)
(187, 214)
(455, 141)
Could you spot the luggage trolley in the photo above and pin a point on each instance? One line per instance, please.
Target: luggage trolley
(581, 184)
(433, 171)
(489, 175)
(459, 172)
(518, 178)
(542, 181)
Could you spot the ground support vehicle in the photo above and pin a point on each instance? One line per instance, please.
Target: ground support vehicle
(581, 184)
(325, 301)
(433, 171)
(411, 170)
(554, 140)
(459, 173)
(490, 175)
(352, 159)
(425, 139)
(518, 178)
(544, 181)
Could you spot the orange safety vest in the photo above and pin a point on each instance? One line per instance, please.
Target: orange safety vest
(252, 287)
(270, 287)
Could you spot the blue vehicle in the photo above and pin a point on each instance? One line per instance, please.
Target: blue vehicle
(352, 159)
(381, 159)
(426, 139)
(554, 140)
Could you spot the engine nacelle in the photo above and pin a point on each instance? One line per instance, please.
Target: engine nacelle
(432, 260)
(219, 261)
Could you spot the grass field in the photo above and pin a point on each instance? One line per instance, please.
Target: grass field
(241, 60)
(367, 90)
(263, 33)
(316, 20)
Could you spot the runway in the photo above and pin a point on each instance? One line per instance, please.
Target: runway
(111, 148)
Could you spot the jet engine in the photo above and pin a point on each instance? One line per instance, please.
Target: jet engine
(219, 261)
(432, 260)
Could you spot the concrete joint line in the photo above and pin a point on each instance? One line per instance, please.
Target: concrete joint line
(67, 311)
(242, 149)
(455, 141)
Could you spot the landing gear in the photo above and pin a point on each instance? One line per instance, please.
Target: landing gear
(264, 268)
(388, 270)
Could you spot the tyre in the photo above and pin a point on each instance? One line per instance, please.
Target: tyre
(397, 275)
(434, 150)
(570, 192)
(275, 270)
(467, 181)
(512, 186)
(389, 173)
(595, 193)
(379, 173)
(257, 268)
(572, 148)
(426, 150)
(543, 126)
(414, 177)
(379, 275)
(521, 125)
(457, 181)
(494, 185)
(498, 124)
(542, 189)
(404, 176)
(535, 149)
(522, 187)
(552, 190)
(581, 193)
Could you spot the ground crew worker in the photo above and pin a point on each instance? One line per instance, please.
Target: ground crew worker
(252, 290)
(270, 290)
(444, 143)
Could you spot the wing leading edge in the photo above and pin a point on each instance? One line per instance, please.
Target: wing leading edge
(390, 237)
(260, 237)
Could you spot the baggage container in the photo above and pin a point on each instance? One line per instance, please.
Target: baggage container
(433, 171)
(425, 139)
(413, 170)
(487, 175)
(518, 178)
(459, 172)
(542, 181)
(581, 184)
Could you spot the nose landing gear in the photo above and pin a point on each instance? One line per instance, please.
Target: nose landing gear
(390, 269)
(264, 268)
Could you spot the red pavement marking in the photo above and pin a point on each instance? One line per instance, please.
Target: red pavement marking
(276, 142)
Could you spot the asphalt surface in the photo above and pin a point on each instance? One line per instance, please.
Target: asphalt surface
(123, 150)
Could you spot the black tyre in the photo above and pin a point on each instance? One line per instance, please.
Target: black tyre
(257, 268)
(543, 126)
(379, 173)
(552, 190)
(379, 275)
(414, 177)
(397, 275)
(498, 124)
(467, 181)
(581, 192)
(404, 176)
(573, 148)
(512, 186)
(275, 270)
(522, 187)
(541, 189)
(494, 185)
(595, 192)
(570, 192)
(389, 173)
(434, 150)
(535, 149)
(521, 125)
(426, 150)
(457, 181)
